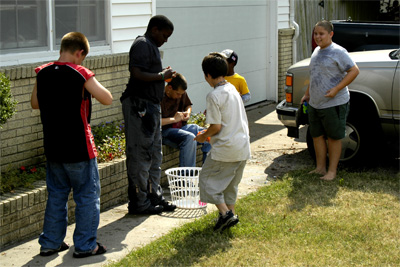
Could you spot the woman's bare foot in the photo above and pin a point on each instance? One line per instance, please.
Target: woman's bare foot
(329, 176)
(318, 171)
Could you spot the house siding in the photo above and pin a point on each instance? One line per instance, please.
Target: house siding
(128, 20)
(283, 14)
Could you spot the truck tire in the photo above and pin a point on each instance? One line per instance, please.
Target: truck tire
(364, 135)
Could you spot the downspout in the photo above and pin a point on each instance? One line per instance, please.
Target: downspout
(294, 25)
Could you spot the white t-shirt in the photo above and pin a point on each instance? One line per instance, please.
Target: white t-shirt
(225, 107)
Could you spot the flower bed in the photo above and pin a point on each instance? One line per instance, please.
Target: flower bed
(23, 177)
(109, 138)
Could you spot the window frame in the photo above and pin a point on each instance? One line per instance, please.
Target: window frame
(51, 52)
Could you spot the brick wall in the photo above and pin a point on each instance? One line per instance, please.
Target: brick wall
(285, 56)
(21, 138)
(22, 212)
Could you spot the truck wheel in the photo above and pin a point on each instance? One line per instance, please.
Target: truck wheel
(350, 143)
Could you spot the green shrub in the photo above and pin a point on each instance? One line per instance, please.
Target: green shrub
(109, 138)
(104, 129)
(7, 104)
(111, 148)
(23, 177)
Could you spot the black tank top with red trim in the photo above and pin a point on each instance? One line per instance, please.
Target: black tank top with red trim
(65, 110)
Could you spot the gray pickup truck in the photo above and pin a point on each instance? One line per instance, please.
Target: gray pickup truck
(374, 103)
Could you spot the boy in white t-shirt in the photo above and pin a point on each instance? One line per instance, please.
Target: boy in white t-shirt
(229, 131)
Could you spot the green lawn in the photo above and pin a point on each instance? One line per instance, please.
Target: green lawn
(298, 220)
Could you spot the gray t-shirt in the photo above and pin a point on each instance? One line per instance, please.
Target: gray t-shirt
(328, 67)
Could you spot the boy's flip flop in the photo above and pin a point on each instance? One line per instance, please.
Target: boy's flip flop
(51, 251)
(100, 250)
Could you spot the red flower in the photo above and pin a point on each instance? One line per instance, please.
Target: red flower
(33, 170)
(111, 156)
(22, 168)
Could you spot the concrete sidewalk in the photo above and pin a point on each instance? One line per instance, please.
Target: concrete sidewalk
(273, 154)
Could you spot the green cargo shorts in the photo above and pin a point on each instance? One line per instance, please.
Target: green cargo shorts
(330, 122)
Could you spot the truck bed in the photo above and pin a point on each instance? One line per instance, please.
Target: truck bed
(366, 35)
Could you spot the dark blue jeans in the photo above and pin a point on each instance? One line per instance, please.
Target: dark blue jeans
(83, 179)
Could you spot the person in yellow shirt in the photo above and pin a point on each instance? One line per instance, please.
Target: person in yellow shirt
(234, 78)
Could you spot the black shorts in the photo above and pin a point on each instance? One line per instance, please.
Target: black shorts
(330, 122)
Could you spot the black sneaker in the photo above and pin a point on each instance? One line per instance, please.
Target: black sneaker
(231, 222)
(50, 251)
(150, 210)
(219, 223)
(226, 222)
(167, 206)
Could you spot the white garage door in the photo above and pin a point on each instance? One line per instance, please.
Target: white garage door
(248, 27)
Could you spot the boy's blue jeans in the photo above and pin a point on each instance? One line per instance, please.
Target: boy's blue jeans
(182, 138)
(83, 179)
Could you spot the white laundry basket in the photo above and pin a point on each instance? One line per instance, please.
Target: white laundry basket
(184, 187)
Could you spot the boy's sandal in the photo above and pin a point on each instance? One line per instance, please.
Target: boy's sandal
(51, 251)
(100, 250)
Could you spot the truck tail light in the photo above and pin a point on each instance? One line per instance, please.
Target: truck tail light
(289, 97)
(289, 79)
(289, 87)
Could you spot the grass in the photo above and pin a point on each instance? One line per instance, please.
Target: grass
(298, 220)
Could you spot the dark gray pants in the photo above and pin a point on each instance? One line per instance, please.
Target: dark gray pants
(143, 152)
